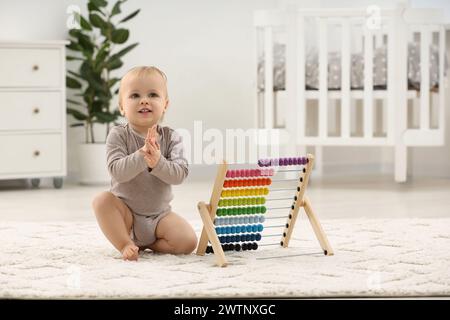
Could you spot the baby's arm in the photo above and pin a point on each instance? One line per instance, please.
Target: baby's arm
(121, 166)
(174, 169)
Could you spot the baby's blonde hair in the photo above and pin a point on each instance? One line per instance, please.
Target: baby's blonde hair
(140, 71)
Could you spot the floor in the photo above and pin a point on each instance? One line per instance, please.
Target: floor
(352, 197)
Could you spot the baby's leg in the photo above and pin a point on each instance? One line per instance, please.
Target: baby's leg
(174, 235)
(115, 220)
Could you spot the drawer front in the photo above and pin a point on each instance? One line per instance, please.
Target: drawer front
(30, 153)
(30, 67)
(30, 111)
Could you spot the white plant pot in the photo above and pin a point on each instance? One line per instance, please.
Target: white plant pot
(92, 163)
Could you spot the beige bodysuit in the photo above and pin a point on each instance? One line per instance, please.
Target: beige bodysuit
(147, 192)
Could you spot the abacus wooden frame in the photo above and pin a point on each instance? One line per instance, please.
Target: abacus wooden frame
(208, 214)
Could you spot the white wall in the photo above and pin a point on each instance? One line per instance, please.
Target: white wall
(207, 50)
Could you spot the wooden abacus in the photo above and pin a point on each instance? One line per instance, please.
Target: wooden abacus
(242, 192)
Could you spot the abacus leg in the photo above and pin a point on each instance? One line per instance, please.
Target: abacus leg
(320, 234)
(208, 226)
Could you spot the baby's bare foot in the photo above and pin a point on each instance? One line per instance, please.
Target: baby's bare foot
(130, 252)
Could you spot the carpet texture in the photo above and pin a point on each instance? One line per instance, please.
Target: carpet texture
(373, 258)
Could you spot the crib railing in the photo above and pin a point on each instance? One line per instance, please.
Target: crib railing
(394, 28)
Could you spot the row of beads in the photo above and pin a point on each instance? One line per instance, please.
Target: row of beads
(235, 247)
(241, 201)
(282, 162)
(245, 192)
(239, 220)
(246, 173)
(239, 229)
(247, 182)
(240, 238)
(240, 210)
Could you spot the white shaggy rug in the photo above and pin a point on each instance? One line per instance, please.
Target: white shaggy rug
(398, 257)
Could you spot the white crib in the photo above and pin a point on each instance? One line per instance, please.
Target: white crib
(395, 115)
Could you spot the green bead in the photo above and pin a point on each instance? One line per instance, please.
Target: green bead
(264, 209)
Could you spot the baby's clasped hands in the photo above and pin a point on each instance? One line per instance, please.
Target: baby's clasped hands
(151, 149)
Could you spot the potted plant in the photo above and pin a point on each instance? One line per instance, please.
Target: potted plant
(94, 43)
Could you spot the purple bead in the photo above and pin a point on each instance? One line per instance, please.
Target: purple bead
(281, 162)
(263, 162)
(303, 160)
(291, 161)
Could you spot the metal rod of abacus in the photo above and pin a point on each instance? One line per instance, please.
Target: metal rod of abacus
(279, 226)
(282, 180)
(275, 199)
(279, 208)
(278, 217)
(268, 244)
(283, 189)
(289, 170)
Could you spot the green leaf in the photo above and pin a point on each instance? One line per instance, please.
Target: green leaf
(74, 102)
(101, 55)
(74, 46)
(85, 24)
(77, 114)
(114, 64)
(86, 44)
(75, 74)
(105, 117)
(72, 83)
(125, 50)
(70, 58)
(92, 7)
(97, 21)
(130, 16)
(99, 3)
(112, 82)
(120, 36)
(116, 8)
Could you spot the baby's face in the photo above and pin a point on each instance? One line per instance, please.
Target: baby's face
(144, 99)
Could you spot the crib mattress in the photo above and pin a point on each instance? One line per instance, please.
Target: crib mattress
(357, 68)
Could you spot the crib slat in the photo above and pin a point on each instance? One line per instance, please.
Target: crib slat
(441, 112)
(323, 78)
(390, 66)
(425, 41)
(345, 79)
(301, 120)
(368, 83)
(268, 78)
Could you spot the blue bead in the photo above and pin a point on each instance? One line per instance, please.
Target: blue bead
(260, 227)
(233, 229)
(252, 237)
(258, 236)
(254, 228)
(221, 240)
(262, 219)
(242, 238)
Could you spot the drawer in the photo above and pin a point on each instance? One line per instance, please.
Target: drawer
(30, 111)
(30, 153)
(30, 67)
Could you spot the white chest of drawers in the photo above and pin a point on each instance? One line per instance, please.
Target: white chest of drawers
(33, 111)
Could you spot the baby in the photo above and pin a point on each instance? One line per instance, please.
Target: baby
(144, 160)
